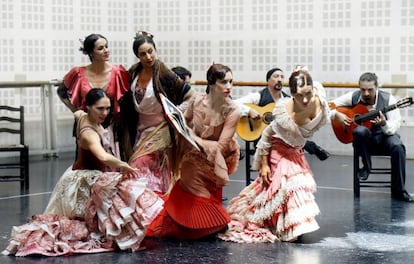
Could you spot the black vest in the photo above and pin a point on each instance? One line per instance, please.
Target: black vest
(266, 97)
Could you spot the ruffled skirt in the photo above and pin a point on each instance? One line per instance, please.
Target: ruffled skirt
(188, 217)
(72, 192)
(115, 213)
(151, 154)
(121, 211)
(155, 168)
(55, 235)
(281, 211)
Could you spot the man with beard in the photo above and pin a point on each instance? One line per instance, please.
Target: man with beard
(273, 92)
(382, 137)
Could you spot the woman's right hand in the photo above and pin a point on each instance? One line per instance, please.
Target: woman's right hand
(127, 170)
(265, 174)
(197, 139)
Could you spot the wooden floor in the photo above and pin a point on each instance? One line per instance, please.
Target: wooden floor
(371, 229)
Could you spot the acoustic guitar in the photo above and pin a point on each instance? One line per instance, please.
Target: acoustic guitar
(362, 116)
(250, 129)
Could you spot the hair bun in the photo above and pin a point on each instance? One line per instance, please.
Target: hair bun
(141, 33)
(82, 48)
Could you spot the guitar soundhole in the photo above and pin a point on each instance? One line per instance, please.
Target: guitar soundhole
(267, 118)
(356, 119)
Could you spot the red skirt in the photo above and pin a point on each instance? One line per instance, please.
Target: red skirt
(188, 217)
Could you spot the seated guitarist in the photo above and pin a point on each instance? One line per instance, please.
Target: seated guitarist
(273, 92)
(381, 137)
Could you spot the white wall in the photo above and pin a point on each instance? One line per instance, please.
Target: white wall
(336, 39)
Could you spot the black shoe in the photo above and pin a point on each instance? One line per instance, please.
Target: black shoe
(363, 174)
(241, 155)
(321, 153)
(403, 196)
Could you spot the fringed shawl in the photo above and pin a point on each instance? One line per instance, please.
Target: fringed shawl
(166, 82)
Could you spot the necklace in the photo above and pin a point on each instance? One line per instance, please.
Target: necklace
(143, 80)
(140, 90)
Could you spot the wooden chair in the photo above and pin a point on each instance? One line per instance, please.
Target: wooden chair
(12, 122)
(374, 171)
(250, 148)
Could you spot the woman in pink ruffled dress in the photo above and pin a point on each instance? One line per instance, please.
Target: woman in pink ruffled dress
(93, 208)
(100, 73)
(279, 205)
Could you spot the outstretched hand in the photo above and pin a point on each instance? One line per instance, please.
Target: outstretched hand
(127, 170)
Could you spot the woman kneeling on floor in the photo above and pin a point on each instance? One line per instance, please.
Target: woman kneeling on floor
(99, 204)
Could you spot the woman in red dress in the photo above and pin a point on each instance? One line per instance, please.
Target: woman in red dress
(193, 209)
(100, 73)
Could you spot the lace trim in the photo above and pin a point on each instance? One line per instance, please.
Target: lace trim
(286, 129)
(202, 108)
(72, 192)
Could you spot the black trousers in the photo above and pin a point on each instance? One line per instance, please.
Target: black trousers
(310, 147)
(367, 142)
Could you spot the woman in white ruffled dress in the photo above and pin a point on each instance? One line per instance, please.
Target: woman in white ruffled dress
(279, 205)
(99, 203)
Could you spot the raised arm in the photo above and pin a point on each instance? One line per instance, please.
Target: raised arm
(89, 139)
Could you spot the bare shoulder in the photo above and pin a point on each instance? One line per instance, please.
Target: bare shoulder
(88, 136)
(78, 114)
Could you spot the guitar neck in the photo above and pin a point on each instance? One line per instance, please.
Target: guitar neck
(373, 114)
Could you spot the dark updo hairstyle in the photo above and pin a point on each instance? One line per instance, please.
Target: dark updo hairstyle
(89, 44)
(140, 38)
(94, 95)
(299, 79)
(216, 72)
(181, 72)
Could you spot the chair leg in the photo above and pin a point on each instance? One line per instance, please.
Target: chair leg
(356, 179)
(247, 162)
(21, 177)
(26, 169)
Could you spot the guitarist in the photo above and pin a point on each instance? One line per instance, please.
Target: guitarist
(273, 92)
(382, 137)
